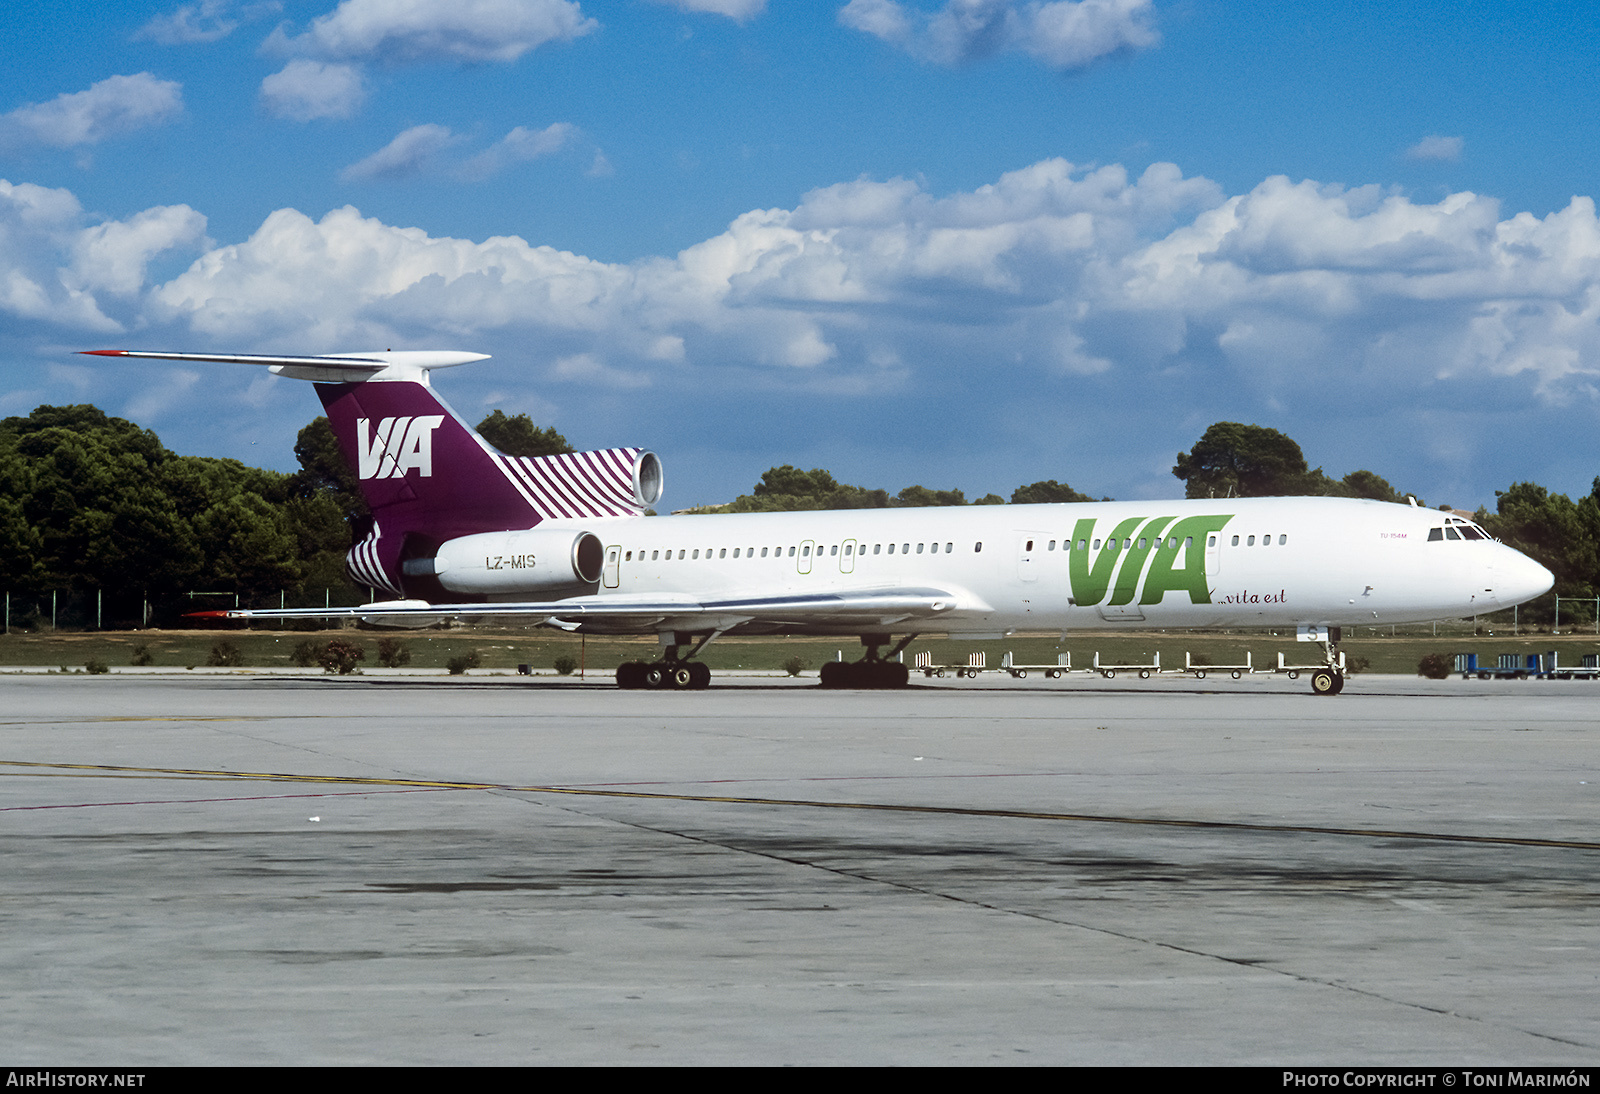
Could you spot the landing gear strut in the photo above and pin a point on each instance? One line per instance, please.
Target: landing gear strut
(1330, 679)
(873, 670)
(671, 673)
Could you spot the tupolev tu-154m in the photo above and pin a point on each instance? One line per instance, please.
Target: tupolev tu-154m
(461, 531)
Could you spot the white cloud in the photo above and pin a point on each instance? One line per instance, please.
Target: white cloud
(412, 152)
(738, 10)
(1064, 34)
(110, 108)
(1050, 270)
(305, 90)
(206, 21)
(469, 31)
(519, 145)
(53, 261)
(1447, 149)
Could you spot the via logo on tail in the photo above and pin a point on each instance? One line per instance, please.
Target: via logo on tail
(398, 445)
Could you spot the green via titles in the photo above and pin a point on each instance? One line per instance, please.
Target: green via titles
(1091, 581)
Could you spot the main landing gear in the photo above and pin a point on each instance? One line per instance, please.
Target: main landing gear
(1330, 679)
(873, 670)
(671, 673)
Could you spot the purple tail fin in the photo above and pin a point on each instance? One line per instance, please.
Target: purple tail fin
(429, 477)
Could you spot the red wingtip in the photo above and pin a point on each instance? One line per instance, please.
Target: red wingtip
(104, 352)
(206, 615)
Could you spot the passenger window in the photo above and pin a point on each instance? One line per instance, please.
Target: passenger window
(722, 553)
(628, 557)
(654, 555)
(1080, 544)
(791, 552)
(805, 552)
(680, 556)
(948, 547)
(1251, 542)
(905, 548)
(1235, 542)
(891, 548)
(977, 548)
(877, 548)
(1142, 542)
(1282, 540)
(1211, 541)
(1029, 547)
(696, 553)
(919, 548)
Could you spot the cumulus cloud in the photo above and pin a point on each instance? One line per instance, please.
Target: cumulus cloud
(1446, 149)
(207, 21)
(738, 10)
(411, 153)
(466, 31)
(110, 108)
(305, 90)
(1063, 34)
(54, 260)
(1051, 270)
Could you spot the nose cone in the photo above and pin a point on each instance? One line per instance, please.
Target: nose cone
(1519, 579)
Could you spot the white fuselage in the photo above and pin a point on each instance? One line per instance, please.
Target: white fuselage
(1237, 562)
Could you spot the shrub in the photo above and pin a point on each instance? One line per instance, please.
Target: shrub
(1435, 666)
(306, 654)
(795, 665)
(459, 665)
(340, 656)
(565, 665)
(95, 667)
(224, 655)
(142, 655)
(392, 653)
(1353, 665)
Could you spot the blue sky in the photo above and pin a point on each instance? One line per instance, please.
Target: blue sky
(958, 244)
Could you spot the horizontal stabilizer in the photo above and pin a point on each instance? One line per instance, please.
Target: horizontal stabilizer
(329, 368)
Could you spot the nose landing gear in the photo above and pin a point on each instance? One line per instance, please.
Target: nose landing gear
(1330, 679)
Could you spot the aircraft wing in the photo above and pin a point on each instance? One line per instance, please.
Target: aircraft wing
(629, 613)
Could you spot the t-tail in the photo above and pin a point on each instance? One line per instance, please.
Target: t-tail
(453, 518)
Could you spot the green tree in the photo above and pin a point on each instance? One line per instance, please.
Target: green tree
(1366, 484)
(916, 496)
(518, 436)
(1248, 461)
(1046, 492)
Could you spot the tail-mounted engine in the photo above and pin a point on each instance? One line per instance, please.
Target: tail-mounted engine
(491, 564)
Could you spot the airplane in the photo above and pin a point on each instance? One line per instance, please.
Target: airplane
(462, 531)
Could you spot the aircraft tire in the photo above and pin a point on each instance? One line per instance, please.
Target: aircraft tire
(654, 676)
(829, 675)
(630, 674)
(680, 678)
(1324, 682)
(699, 675)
